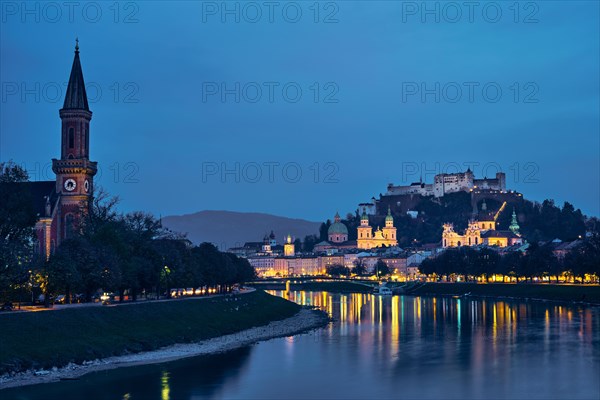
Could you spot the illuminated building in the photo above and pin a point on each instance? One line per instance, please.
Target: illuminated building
(289, 247)
(381, 237)
(337, 232)
(450, 183)
(482, 231)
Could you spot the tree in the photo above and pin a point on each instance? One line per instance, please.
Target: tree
(17, 219)
(584, 259)
(381, 269)
(309, 243)
(324, 231)
(359, 267)
(338, 270)
(75, 266)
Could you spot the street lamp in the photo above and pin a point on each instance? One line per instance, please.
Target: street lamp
(31, 285)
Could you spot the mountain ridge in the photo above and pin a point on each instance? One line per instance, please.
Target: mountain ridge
(227, 229)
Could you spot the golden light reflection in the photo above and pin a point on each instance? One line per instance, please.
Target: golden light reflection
(165, 389)
(380, 310)
(480, 321)
(395, 325)
(358, 306)
(343, 308)
(372, 311)
(495, 323)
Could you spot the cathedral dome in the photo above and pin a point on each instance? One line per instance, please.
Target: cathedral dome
(337, 228)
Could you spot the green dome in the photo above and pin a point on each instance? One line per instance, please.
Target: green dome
(389, 217)
(337, 228)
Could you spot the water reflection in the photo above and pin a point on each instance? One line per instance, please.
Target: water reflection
(472, 348)
(383, 347)
(199, 377)
(492, 319)
(165, 385)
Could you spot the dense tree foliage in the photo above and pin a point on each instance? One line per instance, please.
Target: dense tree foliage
(381, 269)
(126, 254)
(359, 267)
(309, 243)
(134, 254)
(338, 270)
(539, 261)
(17, 219)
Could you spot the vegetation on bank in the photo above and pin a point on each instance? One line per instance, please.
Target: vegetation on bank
(56, 338)
(107, 251)
(568, 293)
(580, 264)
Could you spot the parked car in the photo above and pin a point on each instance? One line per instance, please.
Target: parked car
(42, 299)
(8, 306)
(60, 299)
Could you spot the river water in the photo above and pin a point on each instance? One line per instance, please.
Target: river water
(381, 347)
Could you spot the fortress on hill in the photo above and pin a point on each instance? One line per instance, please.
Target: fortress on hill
(450, 183)
(403, 199)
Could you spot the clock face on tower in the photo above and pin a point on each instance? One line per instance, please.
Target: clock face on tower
(86, 186)
(70, 185)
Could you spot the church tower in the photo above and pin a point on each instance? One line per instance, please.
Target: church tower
(289, 247)
(74, 170)
(365, 232)
(389, 231)
(514, 225)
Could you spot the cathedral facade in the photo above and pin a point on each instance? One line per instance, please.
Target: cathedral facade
(61, 203)
(367, 239)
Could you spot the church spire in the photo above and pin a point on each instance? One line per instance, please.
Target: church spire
(76, 97)
(514, 225)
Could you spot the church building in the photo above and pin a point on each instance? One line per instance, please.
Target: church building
(61, 203)
(382, 237)
(482, 230)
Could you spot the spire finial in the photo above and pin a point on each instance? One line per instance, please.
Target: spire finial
(76, 45)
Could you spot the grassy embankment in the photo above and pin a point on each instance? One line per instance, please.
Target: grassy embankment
(55, 338)
(325, 286)
(585, 293)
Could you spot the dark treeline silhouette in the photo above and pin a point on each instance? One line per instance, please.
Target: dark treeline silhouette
(539, 261)
(125, 254)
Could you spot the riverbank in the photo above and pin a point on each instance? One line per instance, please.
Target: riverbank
(304, 320)
(588, 294)
(43, 340)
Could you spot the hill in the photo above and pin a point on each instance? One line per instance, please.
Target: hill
(538, 221)
(228, 229)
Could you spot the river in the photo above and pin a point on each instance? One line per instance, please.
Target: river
(381, 347)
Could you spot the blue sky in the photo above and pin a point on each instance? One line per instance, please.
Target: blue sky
(196, 108)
